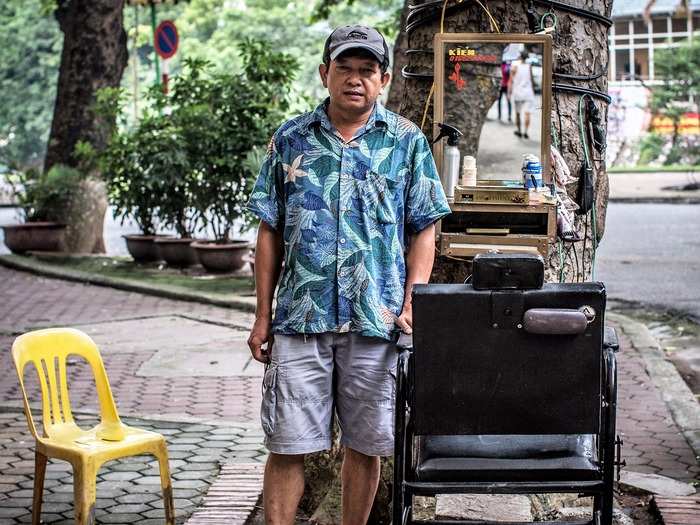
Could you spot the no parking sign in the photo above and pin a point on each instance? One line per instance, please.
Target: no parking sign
(166, 39)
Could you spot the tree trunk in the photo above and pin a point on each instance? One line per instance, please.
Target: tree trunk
(580, 48)
(85, 217)
(94, 56)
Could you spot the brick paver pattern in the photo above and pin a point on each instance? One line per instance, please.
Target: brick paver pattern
(652, 440)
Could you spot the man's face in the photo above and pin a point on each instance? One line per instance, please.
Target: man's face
(354, 83)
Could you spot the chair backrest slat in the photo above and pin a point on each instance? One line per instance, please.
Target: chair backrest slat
(478, 372)
(49, 367)
(48, 350)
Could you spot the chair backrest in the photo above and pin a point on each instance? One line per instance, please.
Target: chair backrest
(48, 350)
(479, 370)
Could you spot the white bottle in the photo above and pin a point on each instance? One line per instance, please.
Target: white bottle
(468, 171)
(451, 169)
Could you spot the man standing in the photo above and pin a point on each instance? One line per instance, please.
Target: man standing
(521, 89)
(343, 192)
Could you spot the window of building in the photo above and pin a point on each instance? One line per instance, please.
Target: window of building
(679, 25)
(622, 27)
(641, 63)
(622, 64)
(640, 27)
(696, 22)
(659, 25)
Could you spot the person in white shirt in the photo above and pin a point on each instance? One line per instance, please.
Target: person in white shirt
(522, 92)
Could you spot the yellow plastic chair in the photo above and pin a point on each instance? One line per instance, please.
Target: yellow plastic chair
(85, 450)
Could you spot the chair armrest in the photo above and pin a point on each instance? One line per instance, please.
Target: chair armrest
(554, 321)
(610, 339)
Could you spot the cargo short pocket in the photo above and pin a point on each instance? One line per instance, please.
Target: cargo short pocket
(269, 402)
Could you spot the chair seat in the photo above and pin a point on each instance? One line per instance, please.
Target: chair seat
(507, 458)
(74, 441)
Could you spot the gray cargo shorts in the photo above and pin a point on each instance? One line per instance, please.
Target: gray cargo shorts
(311, 375)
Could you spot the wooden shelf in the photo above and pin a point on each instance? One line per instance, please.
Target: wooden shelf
(461, 244)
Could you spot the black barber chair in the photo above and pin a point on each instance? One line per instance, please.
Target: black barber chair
(509, 388)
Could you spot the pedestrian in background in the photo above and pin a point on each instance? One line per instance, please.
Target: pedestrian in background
(521, 89)
(505, 77)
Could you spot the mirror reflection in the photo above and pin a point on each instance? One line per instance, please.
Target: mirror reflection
(492, 92)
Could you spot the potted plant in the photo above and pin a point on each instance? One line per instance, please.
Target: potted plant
(162, 160)
(134, 189)
(42, 198)
(224, 121)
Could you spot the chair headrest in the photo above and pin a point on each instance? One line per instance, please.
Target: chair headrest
(507, 271)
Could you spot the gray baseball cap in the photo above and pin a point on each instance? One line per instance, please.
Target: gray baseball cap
(353, 37)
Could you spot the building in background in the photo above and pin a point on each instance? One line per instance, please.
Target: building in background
(641, 28)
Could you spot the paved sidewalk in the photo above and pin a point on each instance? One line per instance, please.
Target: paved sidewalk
(183, 369)
(653, 187)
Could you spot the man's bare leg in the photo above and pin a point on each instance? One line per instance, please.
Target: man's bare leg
(527, 123)
(360, 478)
(282, 488)
(517, 123)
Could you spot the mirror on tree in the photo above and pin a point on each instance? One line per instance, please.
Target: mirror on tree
(496, 90)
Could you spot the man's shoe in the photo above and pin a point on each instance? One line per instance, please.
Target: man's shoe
(525, 136)
(517, 133)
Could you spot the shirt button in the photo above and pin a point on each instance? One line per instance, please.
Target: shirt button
(342, 240)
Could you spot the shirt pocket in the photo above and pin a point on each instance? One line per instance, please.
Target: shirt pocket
(378, 196)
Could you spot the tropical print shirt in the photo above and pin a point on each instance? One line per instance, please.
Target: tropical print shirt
(345, 209)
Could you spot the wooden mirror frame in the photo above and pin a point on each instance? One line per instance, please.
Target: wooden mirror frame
(439, 42)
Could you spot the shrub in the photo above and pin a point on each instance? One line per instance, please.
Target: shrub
(44, 196)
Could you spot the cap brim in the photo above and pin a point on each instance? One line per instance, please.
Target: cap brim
(378, 54)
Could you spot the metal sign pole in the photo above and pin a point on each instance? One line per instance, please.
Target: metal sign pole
(155, 54)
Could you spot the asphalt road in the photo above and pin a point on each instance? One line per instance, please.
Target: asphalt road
(650, 254)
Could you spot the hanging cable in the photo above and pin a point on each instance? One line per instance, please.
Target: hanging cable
(494, 24)
(560, 249)
(587, 159)
(579, 11)
(432, 88)
(582, 78)
(582, 91)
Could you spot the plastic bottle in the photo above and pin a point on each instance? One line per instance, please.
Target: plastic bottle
(450, 166)
(468, 171)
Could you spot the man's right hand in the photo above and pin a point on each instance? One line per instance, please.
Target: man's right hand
(259, 335)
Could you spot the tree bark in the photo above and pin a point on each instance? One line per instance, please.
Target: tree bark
(580, 48)
(94, 56)
(85, 217)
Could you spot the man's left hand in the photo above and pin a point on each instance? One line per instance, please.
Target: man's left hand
(405, 320)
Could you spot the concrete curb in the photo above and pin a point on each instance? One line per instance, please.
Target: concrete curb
(237, 302)
(655, 200)
(684, 408)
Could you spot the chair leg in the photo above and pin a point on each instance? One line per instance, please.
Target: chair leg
(84, 480)
(162, 454)
(408, 504)
(606, 517)
(39, 474)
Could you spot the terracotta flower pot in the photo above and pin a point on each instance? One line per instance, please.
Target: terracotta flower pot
(34, 236)
(143, 248)
(222, 257)
(176, 251)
